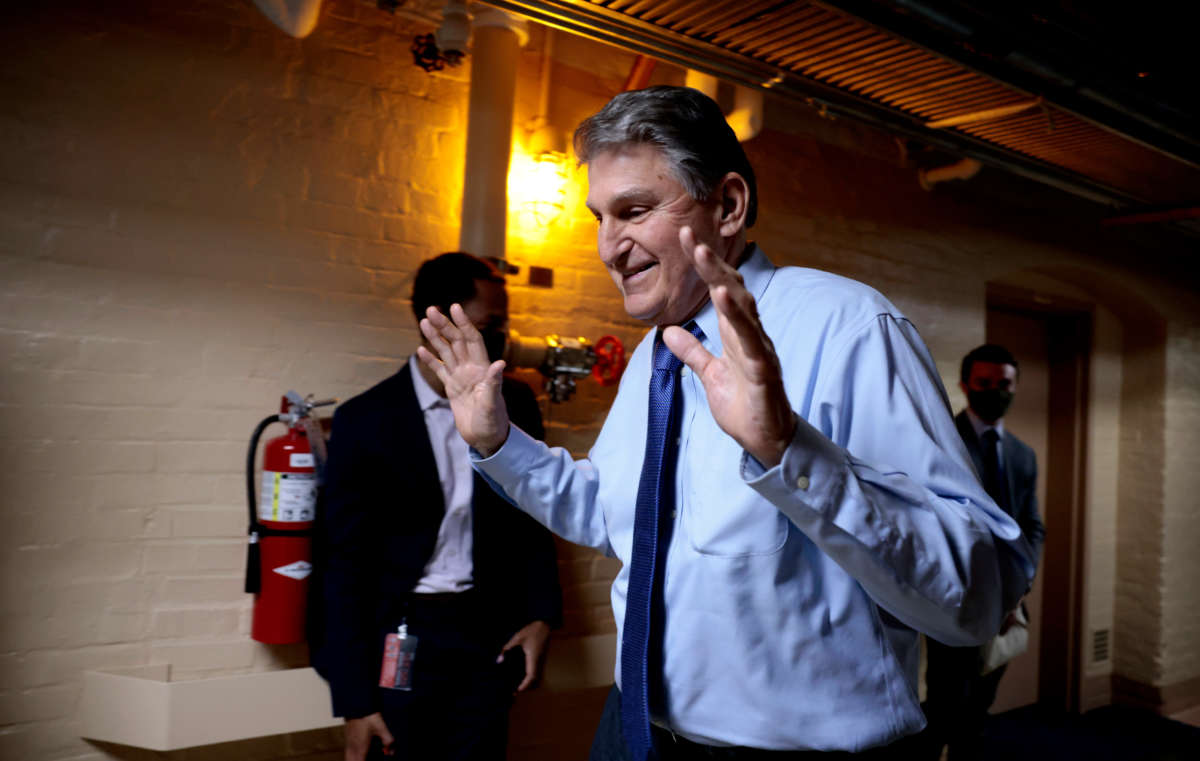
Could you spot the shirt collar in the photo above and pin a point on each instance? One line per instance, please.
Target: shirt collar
(427, 398)
(981, 426)
(757, 272)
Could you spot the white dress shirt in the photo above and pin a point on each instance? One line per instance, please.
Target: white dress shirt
(449, 568)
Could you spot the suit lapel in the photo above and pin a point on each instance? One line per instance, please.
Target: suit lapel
(1010, 468)
(974, 447)
(967, 432)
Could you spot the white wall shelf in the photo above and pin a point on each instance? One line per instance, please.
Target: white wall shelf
(141, 707)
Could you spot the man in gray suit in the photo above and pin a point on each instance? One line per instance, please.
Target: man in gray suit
(958, 696)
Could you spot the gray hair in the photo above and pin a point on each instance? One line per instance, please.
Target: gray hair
(685, 125)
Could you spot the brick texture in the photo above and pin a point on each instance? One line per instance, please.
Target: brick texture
(198, 213)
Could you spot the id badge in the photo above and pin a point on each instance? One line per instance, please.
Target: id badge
(399, 652)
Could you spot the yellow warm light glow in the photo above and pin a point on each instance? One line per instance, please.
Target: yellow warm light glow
(537, 189)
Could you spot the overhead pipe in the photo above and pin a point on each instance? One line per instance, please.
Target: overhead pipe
(1159, 215)
(959, 170)
(639, 73)
(541, 136)
(296, 17)
(746, 117)
(498, 38)
(987, 115)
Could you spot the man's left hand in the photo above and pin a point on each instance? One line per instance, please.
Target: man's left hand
(745, 384)
(532, 641)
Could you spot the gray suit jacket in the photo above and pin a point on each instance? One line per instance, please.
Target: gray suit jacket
(1020, 468)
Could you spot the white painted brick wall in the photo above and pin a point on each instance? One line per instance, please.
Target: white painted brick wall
(1103, 478)
(1181, 608)
(1138, 603)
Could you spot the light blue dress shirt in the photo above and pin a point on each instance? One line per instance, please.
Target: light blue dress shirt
(792, 594)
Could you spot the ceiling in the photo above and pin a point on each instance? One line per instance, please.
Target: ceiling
(1096, 102)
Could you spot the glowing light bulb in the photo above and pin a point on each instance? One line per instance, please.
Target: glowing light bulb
(537, 187)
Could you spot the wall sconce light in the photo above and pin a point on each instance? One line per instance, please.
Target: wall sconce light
(537, 187)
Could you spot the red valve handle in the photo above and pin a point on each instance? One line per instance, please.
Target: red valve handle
(610, 360)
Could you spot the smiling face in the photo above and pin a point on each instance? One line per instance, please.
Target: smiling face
(640, 207)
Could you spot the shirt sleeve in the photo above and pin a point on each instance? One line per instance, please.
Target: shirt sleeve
(546, 482)
(879, 480)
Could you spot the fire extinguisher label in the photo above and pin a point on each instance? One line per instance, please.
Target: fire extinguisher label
(301, 460)
(288, 497)
(298, 570)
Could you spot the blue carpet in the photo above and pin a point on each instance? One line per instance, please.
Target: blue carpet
(1113, 733)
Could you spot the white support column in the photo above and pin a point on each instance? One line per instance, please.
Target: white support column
(498, 38)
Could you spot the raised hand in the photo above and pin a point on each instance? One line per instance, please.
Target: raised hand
(745, 385)
(472, 382)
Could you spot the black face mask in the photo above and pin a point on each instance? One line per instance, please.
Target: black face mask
(494, 341)
(990, 404)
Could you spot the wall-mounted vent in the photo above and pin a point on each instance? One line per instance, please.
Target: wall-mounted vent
(1100, 645)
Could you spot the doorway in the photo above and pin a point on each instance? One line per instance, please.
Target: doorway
(1051, 339)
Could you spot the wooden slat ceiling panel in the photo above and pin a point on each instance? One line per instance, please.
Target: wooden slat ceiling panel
(843, 52)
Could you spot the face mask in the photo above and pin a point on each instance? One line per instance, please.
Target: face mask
(494, 341)
(990, 404)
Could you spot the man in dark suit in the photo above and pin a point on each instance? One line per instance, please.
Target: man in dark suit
(958, 695)
(410, 535)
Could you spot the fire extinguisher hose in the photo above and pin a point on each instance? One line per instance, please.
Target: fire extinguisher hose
(254, 529)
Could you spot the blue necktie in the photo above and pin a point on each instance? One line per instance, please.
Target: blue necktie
(641, 643)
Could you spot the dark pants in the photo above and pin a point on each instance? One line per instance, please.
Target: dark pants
(458, 707)
(609, 745)
(957, 699)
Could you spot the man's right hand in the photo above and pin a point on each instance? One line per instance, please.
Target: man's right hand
(359, 733)
(471, 380)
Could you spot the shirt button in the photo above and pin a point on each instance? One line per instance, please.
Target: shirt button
(802, 483)
(673, 514)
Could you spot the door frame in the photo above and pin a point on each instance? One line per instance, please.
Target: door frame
(1069, 341)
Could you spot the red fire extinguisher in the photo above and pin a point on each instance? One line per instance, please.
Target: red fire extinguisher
(279, 557)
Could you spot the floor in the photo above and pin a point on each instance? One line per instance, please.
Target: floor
(1112, 733)
(1190, 716)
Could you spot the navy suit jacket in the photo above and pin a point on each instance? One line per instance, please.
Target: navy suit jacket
(1020, 469)
(381, 508)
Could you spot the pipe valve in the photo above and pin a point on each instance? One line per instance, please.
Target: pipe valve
(563, 359)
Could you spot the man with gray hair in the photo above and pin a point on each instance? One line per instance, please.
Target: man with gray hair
(802, 506)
